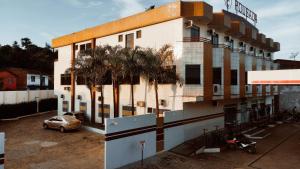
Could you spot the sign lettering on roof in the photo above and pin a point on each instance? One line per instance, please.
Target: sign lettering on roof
(242, 9)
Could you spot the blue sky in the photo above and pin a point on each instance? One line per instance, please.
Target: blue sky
(42, 20)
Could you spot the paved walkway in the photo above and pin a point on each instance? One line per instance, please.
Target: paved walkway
(278, 151)
(29, 146)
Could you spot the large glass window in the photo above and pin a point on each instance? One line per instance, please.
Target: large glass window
(195, 33)
(126, 110)
(217, 75)
(215, 39)
(192, 74)
(106, 110)
(233, 77)
(129, 41)
(65, 79)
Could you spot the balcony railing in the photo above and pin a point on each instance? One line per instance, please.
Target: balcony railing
(196, 39)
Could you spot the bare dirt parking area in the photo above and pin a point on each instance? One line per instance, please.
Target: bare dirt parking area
(29, 146)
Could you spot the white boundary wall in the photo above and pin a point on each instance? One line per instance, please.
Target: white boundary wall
(126, 150)
(174, 136)
(14, 97)
(2, 141)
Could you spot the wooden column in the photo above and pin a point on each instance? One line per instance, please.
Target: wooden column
(227, 74)
(72, 77)
(242, 75)
(208, 71)
(254, 90)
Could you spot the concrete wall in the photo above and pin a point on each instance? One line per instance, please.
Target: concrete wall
(126, 150)
(176, 135)
(14, 97)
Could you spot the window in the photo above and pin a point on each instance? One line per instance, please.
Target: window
(217, 75)
(138, 34)
(126, 111)
(80, 80)
(233, 77)
(195, 33)
(246, 77)
(231, 44)
(126, 80)
(82, 47)
(65, 79)
(120, 38)
(32, 78)
(192, 74)
(215, 39)
(149, 110)
(106, 110)
(82, 107)
(43, 81)
(65, 107)
(88, 46)
(129, 41)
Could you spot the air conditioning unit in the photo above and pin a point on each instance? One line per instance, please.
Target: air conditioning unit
(141, 104)
(210, 32)
(79, 97)
(241, 44)
(99, 98)
(188, 24)
(217, 89)
(62, 96)
(261, 51)
(67, 88)
(227, 38)
(251, 49)
(269, 54)
(163, 102)
(247, 88)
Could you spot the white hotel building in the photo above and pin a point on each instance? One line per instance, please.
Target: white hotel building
(212, 51)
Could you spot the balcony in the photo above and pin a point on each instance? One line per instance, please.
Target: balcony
(196, 39)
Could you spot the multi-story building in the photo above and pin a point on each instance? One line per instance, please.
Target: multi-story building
(212, 52)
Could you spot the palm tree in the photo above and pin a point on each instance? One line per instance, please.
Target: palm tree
(131, 68)
(158, 67)
(91, 65)
(115, 67)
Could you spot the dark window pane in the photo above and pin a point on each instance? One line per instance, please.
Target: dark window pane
(120, 38)
(88, 46)
(126, 110)
(192, 74)
(65, 79)
(233, 77)
(80, 80)
(195, 32)
(138, 34)
(217, 75)
(129, 41)
(215, 39)
(82, 47)
(106, 110)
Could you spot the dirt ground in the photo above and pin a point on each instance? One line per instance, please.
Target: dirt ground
(29, 146)
(278, 151)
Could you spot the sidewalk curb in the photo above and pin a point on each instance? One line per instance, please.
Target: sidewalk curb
(30, 115)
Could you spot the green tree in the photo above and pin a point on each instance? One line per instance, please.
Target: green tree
(132, 67)
(115, 61)
(158, 67)
(91, 64)
(26, 42)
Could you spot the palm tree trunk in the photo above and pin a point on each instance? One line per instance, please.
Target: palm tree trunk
(156, 98)
(93, 104)
(116, 98)
(102, 104)
(132, 96)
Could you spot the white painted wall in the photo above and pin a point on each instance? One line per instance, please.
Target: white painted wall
(179, 134)
(14, 97)
(120, 152)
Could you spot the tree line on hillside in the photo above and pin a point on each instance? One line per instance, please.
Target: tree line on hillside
(117, 63)
(28, 56)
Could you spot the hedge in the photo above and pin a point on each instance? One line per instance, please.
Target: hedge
(22, 109)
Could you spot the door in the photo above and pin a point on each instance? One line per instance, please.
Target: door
(129, 41)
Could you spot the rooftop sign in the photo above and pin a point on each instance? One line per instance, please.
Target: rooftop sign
(240, 8)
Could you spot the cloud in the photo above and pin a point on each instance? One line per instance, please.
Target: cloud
(129, 7)
(281, 8)
(84, 3)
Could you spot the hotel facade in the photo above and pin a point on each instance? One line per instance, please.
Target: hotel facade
(212, 53)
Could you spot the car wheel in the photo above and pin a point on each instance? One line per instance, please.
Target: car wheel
(45, 126)
(62, 129)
